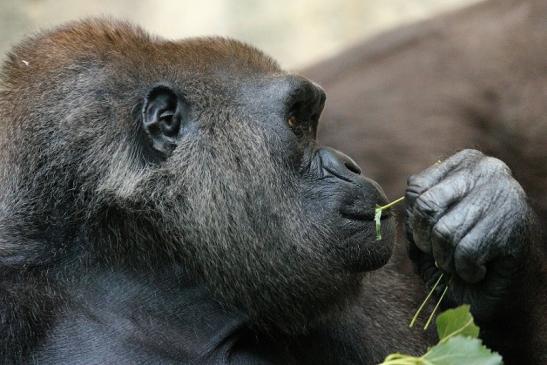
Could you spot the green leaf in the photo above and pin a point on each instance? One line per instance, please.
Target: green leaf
(456, 322)
(461, 350)
(458, 343)
(377, 220)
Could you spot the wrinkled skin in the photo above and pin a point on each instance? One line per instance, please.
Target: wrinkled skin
(469, 217)
(168, 202)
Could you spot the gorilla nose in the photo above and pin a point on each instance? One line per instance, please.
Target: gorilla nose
(369, 194)
(338, 164)
(304, 103)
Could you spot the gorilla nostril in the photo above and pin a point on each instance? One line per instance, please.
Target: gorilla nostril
(338, 164)
(352, 167)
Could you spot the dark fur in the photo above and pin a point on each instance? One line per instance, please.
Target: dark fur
(81, 193)
(237, 247)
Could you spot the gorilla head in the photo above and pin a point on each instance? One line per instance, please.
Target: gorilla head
(126, 152)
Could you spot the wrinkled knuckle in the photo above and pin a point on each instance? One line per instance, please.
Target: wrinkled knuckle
(415, 181)
(471, 153)
(516, 197)
(467, 254)
(426, 204)
(496, 166)
(519, 192)
(442, 230)
(416, 186)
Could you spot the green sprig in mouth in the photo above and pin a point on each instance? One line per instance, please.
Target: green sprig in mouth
(378, 216)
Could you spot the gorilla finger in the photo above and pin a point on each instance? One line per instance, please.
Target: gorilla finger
(421, 218)
(449, 230)
(472, 254)
(436, 201)
(432, 205)
(442, 248)
(420, 230)
(417, 184)
(467, 263)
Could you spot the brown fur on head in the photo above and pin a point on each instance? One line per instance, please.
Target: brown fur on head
(141, 152)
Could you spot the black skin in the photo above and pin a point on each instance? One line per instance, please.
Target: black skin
(167, 202)
(464, 216)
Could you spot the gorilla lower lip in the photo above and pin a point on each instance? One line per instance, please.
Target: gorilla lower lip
(379, 214)
(364, 215)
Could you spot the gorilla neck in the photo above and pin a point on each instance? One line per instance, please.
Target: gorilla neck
(164, 313)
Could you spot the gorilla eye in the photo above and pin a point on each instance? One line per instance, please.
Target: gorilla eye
(300, 128)
(292, 122)
(163, 113)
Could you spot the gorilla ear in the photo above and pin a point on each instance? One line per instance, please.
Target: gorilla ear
(162, 116)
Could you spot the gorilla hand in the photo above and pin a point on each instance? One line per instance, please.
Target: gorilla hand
(468, 217)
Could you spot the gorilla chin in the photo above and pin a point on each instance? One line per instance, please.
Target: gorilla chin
(365, 252)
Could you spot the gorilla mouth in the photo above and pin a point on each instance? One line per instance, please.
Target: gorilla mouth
(366, 214)
(362, 207)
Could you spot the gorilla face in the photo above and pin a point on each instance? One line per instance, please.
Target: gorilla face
(251, 172)
(201, 154)
(268, 217)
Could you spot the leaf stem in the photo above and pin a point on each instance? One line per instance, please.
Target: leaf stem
(436, 307)
(458, 331)
(392, 203)
(425, 301)
(399, 359)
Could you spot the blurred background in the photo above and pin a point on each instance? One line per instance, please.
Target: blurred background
(296, 33)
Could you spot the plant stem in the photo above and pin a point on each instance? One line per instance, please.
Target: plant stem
(458, 331)
(436, 307)
(392, 203)
(378, 216)
(398, 359)
(425, 301)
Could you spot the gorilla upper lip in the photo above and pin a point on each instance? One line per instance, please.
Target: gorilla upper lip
(338, 175)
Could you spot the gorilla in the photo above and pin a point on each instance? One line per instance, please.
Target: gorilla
(167, 202)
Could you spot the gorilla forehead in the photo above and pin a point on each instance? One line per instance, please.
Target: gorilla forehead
(131, 48)
(95, 67)
(99, 66)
